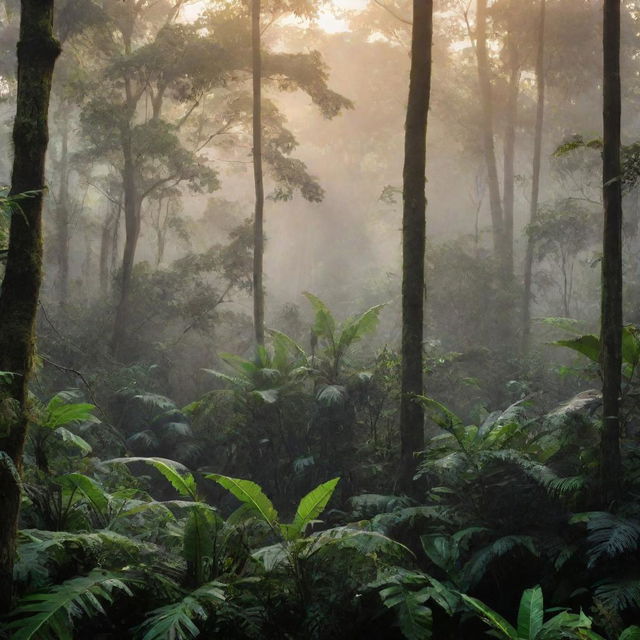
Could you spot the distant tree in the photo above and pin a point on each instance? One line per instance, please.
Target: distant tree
(486, 100)
(273, 10)
(37, 53)
(611, 320)
(535, 178)
(559, 234)
(413, 240)
(258, 216)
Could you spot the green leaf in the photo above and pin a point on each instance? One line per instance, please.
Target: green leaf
(630, 633)
(310, 507)
(68, 436)
(356, 328)
(414, 617)
(492, 618)
(531, 613)
(588, 345)
(60, 413)
(249, 493)
(88, 487)
(325, 324)
(185, 484)
(439, 414)
(630, 345)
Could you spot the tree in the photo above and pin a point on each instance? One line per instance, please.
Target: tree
(37, 53)
(413, 239)
(486, 99)
(258, 222)
(611, 309)
(535, 180)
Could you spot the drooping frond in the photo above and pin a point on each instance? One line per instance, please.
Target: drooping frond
(619, 595)
(50, 615)
(611, 536)
(480, 562)
(177, 621)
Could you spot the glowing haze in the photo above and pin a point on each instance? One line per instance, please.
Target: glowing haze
(329, 19)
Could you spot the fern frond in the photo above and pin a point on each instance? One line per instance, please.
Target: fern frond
(177, 621)
(611, 536)
(619, 594)
(476, 568)
(50, 615)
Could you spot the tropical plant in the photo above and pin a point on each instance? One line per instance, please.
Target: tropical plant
(531, 624)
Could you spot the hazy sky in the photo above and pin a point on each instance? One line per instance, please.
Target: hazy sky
(328, 20)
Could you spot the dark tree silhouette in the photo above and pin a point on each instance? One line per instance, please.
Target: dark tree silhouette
(413, 238)
(37, 53)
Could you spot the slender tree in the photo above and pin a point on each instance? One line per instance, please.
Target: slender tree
(63, 209)
(611, 321)
(486, 99)
(258, 222)
(413, 239)
(513, 92)
(37, 53)
(535, 180)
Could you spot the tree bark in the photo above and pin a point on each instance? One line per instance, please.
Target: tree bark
(413, 241)
(258, 221)
(611, 321)
(486, 99)
(62, 211)
(535, 180)
(37, 53)
(132, 206)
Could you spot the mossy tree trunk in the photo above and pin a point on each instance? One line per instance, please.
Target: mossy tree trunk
(413, 241)
(37, 53)
(611, 322)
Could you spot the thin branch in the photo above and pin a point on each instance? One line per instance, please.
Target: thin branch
(393, 12)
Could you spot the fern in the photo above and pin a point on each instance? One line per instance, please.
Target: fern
(619, 594)
(611, 536)
(177, 621)
(476, 568)
(50, 615)
(414, 617)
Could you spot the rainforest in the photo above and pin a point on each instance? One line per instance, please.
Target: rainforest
(319, 319)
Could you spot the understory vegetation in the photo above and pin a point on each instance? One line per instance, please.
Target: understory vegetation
(145, 519)
(285, 357)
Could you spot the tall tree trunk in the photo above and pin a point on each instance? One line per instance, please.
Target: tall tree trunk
(510, 147)
(132, 206)
(62, 211)
(486, 99)
(611, 322)
(535, 180)
(258, 221)
(37, 53)
(413, 240)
